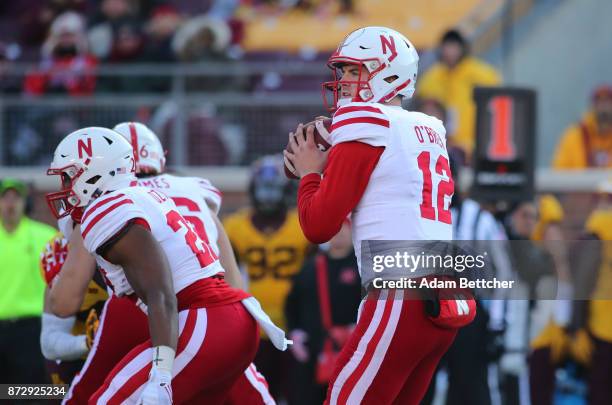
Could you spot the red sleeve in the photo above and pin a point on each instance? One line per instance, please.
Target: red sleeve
(324, 203)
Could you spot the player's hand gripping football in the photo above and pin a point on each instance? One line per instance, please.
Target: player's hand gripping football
(305, 156)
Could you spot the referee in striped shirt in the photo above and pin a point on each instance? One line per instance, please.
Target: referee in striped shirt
(479, 343)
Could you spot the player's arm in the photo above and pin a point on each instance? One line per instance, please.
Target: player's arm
(325, 201)
(115, 228)
(150, 277)
(227, 256)
(56, 339)
(67, 291)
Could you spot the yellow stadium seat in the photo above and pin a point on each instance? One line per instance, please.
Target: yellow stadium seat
(422, 22)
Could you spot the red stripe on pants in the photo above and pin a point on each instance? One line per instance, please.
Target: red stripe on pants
(369, 353)
(410, 360)
(225, 351)
(136, 380)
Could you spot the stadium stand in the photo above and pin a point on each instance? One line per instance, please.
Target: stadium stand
(422, 22)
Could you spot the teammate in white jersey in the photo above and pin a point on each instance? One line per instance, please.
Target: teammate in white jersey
(149, 251)
(389, 169)
(122, 324)
(196, 198)
(199, 202)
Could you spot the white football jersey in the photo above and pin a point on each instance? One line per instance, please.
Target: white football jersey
(193, 196)
(190, 258)
(409, 193)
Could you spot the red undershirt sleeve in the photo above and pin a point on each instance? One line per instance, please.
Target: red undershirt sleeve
(324, 203)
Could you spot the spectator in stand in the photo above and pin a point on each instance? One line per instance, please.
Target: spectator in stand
(320, 311)
(66, 66)
(588, 144)
(121, 40)
(21, 303)
(36, 18)
(115, 22)
(452, 81)
(591, 344)
(549, 318)
(128, 42)
(541, 261)
(203, 39)
(160, 30)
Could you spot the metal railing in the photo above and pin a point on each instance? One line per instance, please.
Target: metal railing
(233, 68)
(235, 178)
(198, 130)
(202, 120)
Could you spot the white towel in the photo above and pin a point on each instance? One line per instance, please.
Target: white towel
(276, 334)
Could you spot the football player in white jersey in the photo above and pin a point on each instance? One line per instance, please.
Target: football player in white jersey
(120, 324)
(148, 251)
(196, 198)
(199, 202)
(389, 168)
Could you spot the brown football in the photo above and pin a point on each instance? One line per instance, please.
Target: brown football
(321, 141)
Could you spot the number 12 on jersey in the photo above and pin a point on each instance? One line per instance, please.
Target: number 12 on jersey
(445, 188)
